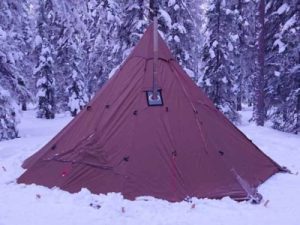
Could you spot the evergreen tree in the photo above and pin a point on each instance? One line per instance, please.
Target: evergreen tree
(45, 85)
(180, 21)
(44, 71)
(7, 116)
(107, 44)
(134, 23)
(96, 32)
(13, 49)
(218, 80)
(243, 51)
(68, 54)
(77, 96)
(13, 88)
(283, 65)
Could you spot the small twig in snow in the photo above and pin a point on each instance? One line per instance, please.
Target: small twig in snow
(266, 203)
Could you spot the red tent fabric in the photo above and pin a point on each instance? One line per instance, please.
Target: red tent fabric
(182, 148)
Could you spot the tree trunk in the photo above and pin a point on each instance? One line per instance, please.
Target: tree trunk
(24, 106)
(217, 97)
(260, 79)
(241, 62)
(153, 9)
(298, 103)
(239, 102)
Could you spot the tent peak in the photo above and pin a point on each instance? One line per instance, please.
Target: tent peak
(145, 46)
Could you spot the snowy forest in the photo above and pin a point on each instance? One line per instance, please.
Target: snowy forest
(54, 54)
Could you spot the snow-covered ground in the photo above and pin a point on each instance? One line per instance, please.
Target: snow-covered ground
(36, 205)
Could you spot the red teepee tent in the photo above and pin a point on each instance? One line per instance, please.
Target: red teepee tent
(174, 146)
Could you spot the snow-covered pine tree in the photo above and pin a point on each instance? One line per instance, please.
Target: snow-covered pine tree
(25, 39)
(271, 64)
(45, 84)
(44, 70)
(248, 54)
(13, 88)
(218, 80)
(259, 109)
(241, 45)
(77, 97)
(96, 33)
(8, 128)
(180, 21)
(134, 22)
(89, 14)
(283, 64)
(13, 48)
(106, 52)
(70, 87)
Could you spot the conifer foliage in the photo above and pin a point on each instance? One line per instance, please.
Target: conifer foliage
(180, 22)
(55, 55)
(218, 80)
(283, 64)
(7, 117)
(13, 63)
(44, 70)
(45, 85)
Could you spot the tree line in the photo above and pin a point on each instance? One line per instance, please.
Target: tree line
(56, 54)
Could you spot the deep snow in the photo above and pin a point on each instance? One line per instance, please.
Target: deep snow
(36, 205)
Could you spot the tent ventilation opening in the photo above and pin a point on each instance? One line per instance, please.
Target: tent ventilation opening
(154, 100)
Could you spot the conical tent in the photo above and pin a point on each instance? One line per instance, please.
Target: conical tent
(181, 146)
